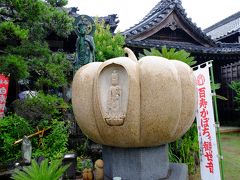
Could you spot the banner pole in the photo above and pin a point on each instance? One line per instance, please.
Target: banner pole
(217, 122)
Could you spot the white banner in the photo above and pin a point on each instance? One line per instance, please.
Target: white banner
(209, 162)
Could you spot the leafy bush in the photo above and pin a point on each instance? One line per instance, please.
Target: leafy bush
(14, 66)
(13, 31)
(186, 149)
(24, 29)
(54, 144)
(83, 163)
(84, 148)
(47, 171)
(235, 86)
(12, 128)
(52, 72)
(181, 55)
(40, 109)
(107, 45)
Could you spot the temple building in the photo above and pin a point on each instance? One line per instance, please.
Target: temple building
(167, 25)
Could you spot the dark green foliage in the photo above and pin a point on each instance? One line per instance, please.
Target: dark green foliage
(46, 69)
(14, 32)
(45, 171)
(12, 128)
(41, 108)
(186, 149)
(39, 17)
(24, 27)
(83, 149)
(58, 3)
(84, 163)
(235, 86)
(52, 72)
(152, 52)
(80, 166)
(54, 143)
(30, 50)
(13, 65)
(215, 87)
(171, 54)
(107, 45)
(46, 111)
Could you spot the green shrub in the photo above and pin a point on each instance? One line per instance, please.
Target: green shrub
(13, 31)
(181, 55)
(40, 109)
(23, 37)
(83, 148)
(13, 65)
(54, 142)
(54, 71)
(235, 86)
(12, 128)
(47, 171)
(83, 163)
(107, 45)
(186, 149)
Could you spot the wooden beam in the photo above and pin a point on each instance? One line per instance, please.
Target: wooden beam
(32, 135)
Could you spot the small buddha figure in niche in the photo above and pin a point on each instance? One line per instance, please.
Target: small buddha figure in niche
(114, 115)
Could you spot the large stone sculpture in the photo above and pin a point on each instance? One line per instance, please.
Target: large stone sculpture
(127, 103)
(134, 108)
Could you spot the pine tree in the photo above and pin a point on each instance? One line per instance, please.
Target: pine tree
(24, 52)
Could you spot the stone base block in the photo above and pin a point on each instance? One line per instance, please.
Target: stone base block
(141, 164)
(178, 171)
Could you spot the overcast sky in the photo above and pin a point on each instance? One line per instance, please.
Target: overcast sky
(203, 12)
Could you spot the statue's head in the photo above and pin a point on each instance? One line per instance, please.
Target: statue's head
(84, 25)
(81, 28)
(115, 78)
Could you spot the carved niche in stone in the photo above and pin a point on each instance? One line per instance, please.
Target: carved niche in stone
(114, 94)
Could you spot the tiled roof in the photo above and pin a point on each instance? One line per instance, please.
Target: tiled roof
(222, 22)
(225, 27)
(111, 20)
(159, 13)
(229, 33)
(221, 48)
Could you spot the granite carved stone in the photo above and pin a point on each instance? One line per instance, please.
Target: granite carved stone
(127, 103)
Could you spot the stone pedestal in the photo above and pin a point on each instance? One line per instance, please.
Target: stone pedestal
(141, 164)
